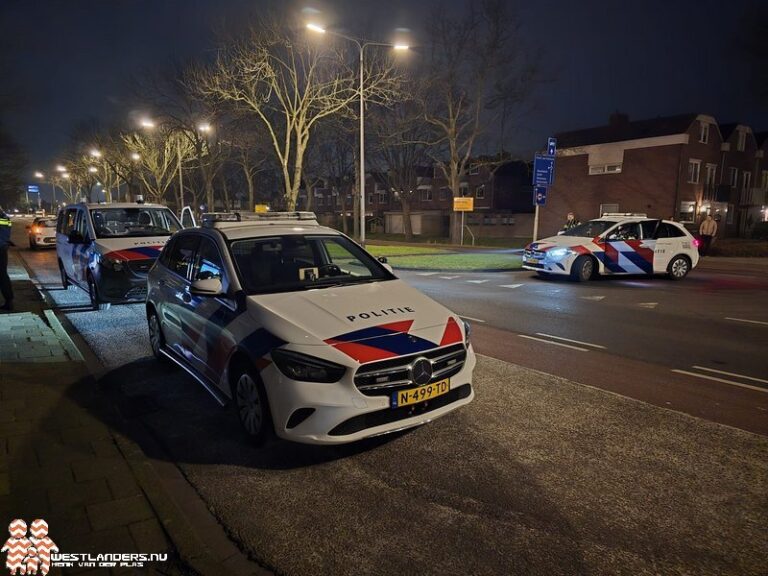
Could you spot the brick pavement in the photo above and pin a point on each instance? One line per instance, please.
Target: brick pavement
(59, 457)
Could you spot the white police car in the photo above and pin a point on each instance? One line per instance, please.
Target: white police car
(310, 336)
(108, 249)
(615, 244)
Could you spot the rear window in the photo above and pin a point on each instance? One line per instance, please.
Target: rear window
(667, 230)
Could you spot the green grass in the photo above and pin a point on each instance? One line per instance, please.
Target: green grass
(436, 241)
(466, 261)
(379, 250)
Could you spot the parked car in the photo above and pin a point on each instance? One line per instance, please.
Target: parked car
(616, 244)
(42, 233)
(303, 332)
(108, 249)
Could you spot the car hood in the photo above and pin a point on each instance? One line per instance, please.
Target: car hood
(365, 322)
(559, 242)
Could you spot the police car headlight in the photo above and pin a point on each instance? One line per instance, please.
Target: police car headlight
(467, 332)
(298, 366)
(112, 263)
(559, 253)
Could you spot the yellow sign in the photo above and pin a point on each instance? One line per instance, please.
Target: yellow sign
(261, 208)
(463, 204)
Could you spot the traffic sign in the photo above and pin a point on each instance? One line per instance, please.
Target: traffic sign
(551, 146)
(539, 196)
(33, 188)
(543, 170)
(463, 204)
(261, 208)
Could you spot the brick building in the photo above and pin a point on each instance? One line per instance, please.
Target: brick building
(682, 166)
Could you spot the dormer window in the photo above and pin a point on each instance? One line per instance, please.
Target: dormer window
(704, 132)
(741, 144)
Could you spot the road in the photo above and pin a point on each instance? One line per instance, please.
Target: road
(537, 476)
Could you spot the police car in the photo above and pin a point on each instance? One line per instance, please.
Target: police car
(108, 249)
(303, 332)
(615, 244)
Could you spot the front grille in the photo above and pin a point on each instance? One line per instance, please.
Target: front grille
(387, 416)
(136, 293)
(141, 266)
(387, 376)
(537, 254)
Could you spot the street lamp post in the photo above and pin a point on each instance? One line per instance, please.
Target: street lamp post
(361, 48)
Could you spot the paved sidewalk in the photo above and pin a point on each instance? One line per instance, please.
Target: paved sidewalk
(59, 460)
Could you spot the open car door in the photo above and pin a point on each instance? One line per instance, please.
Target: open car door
(187, 217)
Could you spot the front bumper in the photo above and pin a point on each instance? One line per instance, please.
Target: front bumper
(340, 413)
(540, 262)
(126, 285)
(48, 241)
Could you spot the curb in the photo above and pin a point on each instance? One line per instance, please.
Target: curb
(200, 541)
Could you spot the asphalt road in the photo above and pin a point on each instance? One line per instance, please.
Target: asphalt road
(537, 476)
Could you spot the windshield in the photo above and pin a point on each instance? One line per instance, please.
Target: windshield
(46, 223)
(589, 229)
(133, 222)
(298, 262)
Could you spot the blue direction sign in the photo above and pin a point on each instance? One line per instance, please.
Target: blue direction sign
(33, 188)
(539, 196)
(543, 170)
(551, 146)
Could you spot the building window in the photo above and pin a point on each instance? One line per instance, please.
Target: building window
(694, 167)
(371, 199)
(704, 132)
(382, 197)
(480, 192)
(746, 180)
(687, 211)
(474, 169)
(741, 144)
(729, 212)
(733, 177)
(604, 169)
(426, 195)
(443, 193)
(710, 176)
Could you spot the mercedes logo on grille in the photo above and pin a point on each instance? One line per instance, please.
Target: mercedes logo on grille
(421, 371)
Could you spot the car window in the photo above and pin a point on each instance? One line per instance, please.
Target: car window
(629, 231)
(80, 224)
(68, 222)
(209, 264)
(182, 254)
(589, 229)
(134, 222)
(649, 228)
(298, 262)
(667, 230)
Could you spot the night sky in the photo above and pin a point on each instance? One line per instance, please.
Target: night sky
(66, 60)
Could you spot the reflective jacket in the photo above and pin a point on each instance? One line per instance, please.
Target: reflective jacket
(5, 230)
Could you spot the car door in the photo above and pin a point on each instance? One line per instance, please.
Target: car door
(624, 253)
(65, 250)
(173, 290)
(206, 318)
(668, 239)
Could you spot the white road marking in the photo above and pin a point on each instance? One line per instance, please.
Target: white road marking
(551, 342)
(510, 285)
(477, 281)
(473, 319)
(427, 273)
(750, 321)
(731, 382)
(650, 305)
(592, 297)
(449, 277)
(731, 374)
(569, 340)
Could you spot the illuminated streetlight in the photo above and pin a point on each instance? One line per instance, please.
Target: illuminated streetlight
(60, 168)
(204, 127)
(95, 153)
(135, 157)
(39, 175)
(147, 123)
(66, 175)
(361, 45)
(93, 169)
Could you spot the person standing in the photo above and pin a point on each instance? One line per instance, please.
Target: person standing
(707, 231)
(570, 222)
(5, 242)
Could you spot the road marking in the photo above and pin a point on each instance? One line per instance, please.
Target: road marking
(569, 340)
(555, 343)
(731, 382)
(510, 285)
(650, 305)
(731, 374)
(592, 297)
(750, 321)
(477, 281)
(427, 273)
(449, 277)
(473, 319)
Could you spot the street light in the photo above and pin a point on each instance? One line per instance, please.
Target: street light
(95, 153)
(92, 169)
(60, 168)
(361, 47)
(204, 127)
(135, 157)
(146, 123)
(39, 175)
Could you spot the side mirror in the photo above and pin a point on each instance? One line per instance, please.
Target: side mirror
(76, 237)
(207, 287)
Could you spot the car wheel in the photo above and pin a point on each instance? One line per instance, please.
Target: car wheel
(250, 401)
(156, 338)
(679, 267)
(582, 269)
(93, 293)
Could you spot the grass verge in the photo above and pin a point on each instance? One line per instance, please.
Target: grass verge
(465, 262)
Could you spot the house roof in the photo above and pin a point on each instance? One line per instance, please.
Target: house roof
(620, 128)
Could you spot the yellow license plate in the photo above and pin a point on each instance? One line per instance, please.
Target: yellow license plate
(420, 394)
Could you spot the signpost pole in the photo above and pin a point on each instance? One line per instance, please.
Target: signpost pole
(462, 228)
(536, 223)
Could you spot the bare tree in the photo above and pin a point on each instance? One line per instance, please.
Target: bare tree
(158, 154)
(290, 85)
(474, 59)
